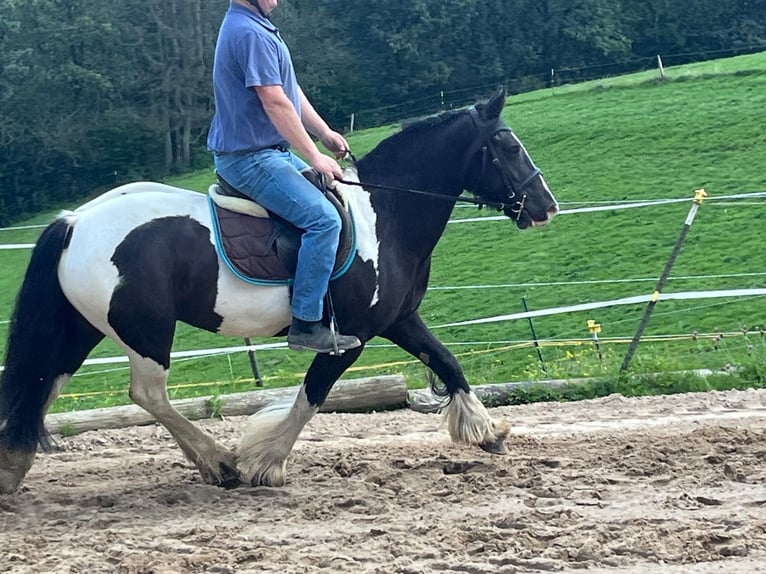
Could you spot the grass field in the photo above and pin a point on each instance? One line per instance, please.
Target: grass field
(622, 139)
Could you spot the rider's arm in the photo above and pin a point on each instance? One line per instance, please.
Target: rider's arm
(282, 114)
(315, 125)
(312, 120)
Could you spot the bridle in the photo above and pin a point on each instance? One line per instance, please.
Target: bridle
(489, 154)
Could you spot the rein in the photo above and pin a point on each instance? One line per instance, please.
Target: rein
(462, 198)
(487, 148)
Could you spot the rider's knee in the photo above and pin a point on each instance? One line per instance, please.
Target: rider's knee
(326, 219)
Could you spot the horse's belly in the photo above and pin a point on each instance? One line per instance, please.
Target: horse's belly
(250, 310)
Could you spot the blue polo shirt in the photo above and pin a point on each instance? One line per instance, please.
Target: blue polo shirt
(249, 53)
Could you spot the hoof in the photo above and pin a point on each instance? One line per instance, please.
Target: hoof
(224, 475)
(498, 446)
(8, 483)
(272, 474)
(14, 466)
(229, 476)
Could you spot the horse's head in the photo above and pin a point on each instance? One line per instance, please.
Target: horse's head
(500, 170)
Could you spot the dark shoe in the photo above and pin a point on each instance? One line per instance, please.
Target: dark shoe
(314, 336)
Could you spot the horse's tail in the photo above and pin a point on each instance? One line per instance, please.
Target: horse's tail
(45, 341)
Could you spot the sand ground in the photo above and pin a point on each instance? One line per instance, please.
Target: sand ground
(660, 484)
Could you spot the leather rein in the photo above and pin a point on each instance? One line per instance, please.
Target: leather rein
(488, 152)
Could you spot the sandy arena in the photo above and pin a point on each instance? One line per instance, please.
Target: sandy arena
(654, 485)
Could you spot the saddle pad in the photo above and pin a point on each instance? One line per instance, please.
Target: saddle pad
(251, 246)
(247, 245)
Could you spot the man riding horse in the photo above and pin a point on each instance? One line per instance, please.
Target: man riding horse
(261, 112)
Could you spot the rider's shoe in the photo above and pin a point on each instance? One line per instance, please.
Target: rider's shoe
(314, 336)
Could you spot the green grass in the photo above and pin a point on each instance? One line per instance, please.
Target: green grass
(625, 138)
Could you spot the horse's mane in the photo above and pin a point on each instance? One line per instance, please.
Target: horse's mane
(413, 127)
(418, 124)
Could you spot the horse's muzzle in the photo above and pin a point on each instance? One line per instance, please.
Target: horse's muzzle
(527, 219)
(552, 211)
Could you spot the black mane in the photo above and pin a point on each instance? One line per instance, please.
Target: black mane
(411, 129)
(428, 122)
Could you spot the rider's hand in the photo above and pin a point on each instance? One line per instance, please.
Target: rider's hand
(328, 166)
(336, 143)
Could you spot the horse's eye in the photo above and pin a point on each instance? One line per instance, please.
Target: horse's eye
(506, 144)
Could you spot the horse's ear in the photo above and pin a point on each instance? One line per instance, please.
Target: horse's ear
(496, 103)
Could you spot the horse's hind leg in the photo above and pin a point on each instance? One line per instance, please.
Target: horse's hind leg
(148, 389)
(467, 418)
(32, 381)
(271, 432)
(16, 462)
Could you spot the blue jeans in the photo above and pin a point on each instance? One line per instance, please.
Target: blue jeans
(273, 179)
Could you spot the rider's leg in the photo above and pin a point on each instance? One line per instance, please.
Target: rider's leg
(273, 178)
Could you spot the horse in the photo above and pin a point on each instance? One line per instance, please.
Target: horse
(135, 260)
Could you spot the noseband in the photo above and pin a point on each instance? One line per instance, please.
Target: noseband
(489, 152)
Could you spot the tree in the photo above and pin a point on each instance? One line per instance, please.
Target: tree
(171, 56)
(95, 93)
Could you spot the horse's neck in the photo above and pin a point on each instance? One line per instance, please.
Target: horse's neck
(417, 221)
(430, 160)
(435, 164)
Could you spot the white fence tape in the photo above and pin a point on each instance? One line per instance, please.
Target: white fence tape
(583, 282)
(195, 353)
(594, 281)
(513, 316)
(617, 206)
(20, 227)
(611, 303)
(17, 246)
(610, 207)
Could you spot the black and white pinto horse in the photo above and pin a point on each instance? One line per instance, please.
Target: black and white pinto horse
(132, 262)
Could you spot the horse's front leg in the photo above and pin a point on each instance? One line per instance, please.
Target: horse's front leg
(467, 418)
(271, 432)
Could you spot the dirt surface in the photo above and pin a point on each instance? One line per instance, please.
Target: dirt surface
(662, 484)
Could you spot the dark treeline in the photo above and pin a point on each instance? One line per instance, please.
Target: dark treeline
(95, 93)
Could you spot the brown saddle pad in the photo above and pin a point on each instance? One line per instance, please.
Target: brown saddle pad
(263, 249)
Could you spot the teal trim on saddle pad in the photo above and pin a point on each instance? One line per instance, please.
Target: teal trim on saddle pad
(272, 282)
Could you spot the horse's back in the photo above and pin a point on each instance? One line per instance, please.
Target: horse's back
(140, 238)
(120, 211)
(144, 191)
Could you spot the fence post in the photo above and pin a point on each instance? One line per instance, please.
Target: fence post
(661, 67)
(253, 364)
(351, 129)
(534, 338)
(699, 197)
(595, 329)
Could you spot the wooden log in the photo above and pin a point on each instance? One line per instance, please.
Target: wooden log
(493, 395)
(498, 394)
(354, 395)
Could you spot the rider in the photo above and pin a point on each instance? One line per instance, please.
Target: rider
(260, 113)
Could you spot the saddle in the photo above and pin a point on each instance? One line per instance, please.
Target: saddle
(260, 247)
